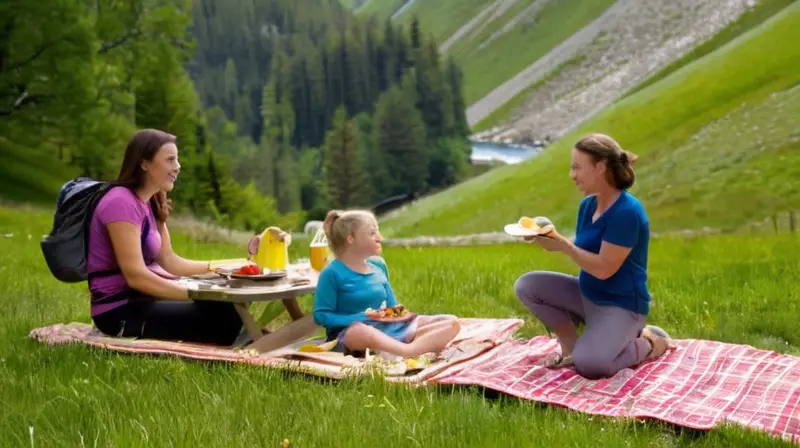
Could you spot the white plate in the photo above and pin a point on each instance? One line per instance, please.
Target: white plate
(517, 230)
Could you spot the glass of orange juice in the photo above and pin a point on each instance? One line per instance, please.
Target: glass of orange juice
(318, 254)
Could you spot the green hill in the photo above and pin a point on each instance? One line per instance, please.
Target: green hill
(28, 176)
(713, 133)
(506, 38)
(382, 9)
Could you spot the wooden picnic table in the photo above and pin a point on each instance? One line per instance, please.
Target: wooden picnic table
(243, 293)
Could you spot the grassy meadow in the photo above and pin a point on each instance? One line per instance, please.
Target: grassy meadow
(716, 132)
(724, 288)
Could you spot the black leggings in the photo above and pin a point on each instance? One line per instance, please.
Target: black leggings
(198, 321)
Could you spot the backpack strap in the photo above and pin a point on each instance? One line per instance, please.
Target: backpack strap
(143, 242)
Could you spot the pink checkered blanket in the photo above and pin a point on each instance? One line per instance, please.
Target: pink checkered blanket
(699, 385)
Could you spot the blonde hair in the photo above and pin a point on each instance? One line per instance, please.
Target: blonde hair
(619, 162)
(339, 225)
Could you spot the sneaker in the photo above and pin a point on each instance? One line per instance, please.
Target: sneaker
(658, 331)
(658, 344)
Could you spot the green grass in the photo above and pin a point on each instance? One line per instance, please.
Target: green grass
(750, 142)
(27, 176)
(442, 18)
(488, 67)
(762, 11)
(725, 288)
(383, 9)
(351, 4)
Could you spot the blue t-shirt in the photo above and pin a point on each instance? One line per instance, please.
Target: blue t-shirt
(625, 224)
(343, 295)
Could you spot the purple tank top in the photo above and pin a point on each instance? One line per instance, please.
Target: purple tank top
(118, 205)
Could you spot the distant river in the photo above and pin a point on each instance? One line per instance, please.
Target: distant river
(487, 152)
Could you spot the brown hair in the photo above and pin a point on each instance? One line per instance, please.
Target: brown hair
(143, 146)
(339, 225)
(619, 163)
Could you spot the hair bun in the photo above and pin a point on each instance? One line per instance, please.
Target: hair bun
(628, 158)
(327, 225)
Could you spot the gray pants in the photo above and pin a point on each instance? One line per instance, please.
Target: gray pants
(611, 338)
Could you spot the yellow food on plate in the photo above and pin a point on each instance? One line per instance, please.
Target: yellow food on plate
(527, 223)
(387, 312)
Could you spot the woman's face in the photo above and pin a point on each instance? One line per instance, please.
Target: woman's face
(162, 172)
(588, 176)
(366, 240)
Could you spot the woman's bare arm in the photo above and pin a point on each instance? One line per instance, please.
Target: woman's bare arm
(172, 262)
(126, 241)
(602, 265)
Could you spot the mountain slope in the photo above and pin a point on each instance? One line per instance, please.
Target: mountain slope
(731, 109)
(503, 36)
(618, 52)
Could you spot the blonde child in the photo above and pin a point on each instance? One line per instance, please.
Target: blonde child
(358, 279)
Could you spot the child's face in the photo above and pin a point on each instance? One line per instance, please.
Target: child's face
(366, 240)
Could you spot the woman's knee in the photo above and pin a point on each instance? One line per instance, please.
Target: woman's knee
(592, 363)
(528, 284)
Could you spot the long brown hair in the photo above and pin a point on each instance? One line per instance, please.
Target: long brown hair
(619, 163)
(143, 146)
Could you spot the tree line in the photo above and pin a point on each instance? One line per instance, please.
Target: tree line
(282, 108)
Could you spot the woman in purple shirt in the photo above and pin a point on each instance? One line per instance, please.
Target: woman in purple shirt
(131, 264)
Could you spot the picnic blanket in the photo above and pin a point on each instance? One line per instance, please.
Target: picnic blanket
(700, 384)
(476, 337)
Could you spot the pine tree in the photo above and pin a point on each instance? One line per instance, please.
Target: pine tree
(400, 135)
(455, 82)
(343, 177)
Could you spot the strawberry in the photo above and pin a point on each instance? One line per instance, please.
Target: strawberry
(249, 269)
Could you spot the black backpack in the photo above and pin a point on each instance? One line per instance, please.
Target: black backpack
(66, 248)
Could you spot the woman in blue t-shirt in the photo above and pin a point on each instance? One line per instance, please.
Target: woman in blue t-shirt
(610, 294)
(357, 280)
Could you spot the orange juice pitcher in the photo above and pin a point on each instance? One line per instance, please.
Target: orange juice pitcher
(273, 249)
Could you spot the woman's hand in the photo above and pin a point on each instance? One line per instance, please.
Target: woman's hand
(552, 241)
(164, 206)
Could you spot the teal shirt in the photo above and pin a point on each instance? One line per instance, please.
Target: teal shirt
(343, 295)
(625, 224)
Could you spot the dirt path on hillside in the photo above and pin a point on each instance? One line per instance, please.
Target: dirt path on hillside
(499, 7)
(402, 9)
(629, 42)
(544, 65)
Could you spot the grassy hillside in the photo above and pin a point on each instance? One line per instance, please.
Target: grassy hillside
(379, 8)
(77, 396)
(762, 11)
(737, 93)
(442, 18)
(488, 59)
(514, 34)
(26, 176)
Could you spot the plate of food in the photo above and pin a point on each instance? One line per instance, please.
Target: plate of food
(397, 313)
(251, 272)
(526, 226)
